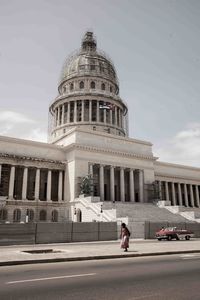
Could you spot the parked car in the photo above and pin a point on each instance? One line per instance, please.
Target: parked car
(170, 233)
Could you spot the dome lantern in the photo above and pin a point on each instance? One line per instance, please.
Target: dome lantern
(89, 42)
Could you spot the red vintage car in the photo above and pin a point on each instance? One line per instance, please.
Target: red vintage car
(170, 233)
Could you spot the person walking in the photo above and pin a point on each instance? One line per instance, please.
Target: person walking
(125, 234)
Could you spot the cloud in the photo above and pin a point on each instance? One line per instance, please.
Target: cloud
(18, 125)
(183, 148)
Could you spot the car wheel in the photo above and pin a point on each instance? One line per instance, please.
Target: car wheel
(187, 237)
(169, 237)
(159, 239)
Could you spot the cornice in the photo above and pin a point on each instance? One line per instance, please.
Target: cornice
(174, 177)
(16, 159)
(76, 146)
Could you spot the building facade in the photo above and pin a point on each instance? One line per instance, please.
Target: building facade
(88, 140)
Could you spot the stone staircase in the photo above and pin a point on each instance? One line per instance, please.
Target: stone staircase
(191, 214)
(143, 212)
(134, 212)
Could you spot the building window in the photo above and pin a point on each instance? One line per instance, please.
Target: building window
(71, 86)
(3, 215)
(111, 89)
(17, 215)
(103, 87)
(92, 85)
(81, 85)
(43, 215)
(54, 216)
(92, 67)
(30, 214)
(64, 89)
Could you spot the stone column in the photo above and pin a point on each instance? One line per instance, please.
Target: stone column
(166, 191)
(104, 116)
(58, 121)
(49, 186)
(185, 195)
(160, 189)
(37, 184)
(101, 177)
(173, 194)
(63, 114)
(56, 117)
(131, 185)
(91, 174)
(180, 195)
(191, 196)
(141, 186)
(0, 172)
(115, 115)
(97, 111)
(90, 110)
(11, 182)
(112, 184)
(24, 183)
(82, 111)
(75, 111)
(122, 191)
(120, 123)
(110, 116)
(60, 186)
(197, 195)
(91, 169)
(68, 112)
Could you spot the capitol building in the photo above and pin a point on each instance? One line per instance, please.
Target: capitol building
(90, 169)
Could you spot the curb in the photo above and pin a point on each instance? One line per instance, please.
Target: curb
(99, 257)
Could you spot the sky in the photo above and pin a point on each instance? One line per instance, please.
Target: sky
(155, 47)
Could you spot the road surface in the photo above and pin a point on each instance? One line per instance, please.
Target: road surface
(155, 278)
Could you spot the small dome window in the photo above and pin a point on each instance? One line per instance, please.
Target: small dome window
(103, 87)
(81, 85)
(111, 89)
(64, 89)
(71, 86)
(92, 85)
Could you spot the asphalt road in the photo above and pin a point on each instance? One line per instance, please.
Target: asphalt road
(165, 277)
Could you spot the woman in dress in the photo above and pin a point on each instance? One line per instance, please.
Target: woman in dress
(125, 234)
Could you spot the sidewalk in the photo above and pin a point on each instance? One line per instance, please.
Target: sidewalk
(14, 255)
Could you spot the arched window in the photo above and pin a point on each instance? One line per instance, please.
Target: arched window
(17, 215)
(71, 86)
(81, 85)
(103, 87)
(43, 215)
(64, 89)
(3, 215)
(92, 85)
(111, 89)
(30, 214)
(54, 216)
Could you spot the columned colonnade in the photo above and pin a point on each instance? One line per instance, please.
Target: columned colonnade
(180, 193)
(88, 111)
(37, 181)
(126, 182)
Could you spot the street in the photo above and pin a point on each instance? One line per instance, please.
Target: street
(162, 277)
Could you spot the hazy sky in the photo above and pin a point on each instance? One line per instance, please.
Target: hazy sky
(154, 44)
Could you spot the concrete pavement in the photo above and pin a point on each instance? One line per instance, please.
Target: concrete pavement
(27, 254)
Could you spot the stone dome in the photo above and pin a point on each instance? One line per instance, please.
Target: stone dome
(88, 61)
